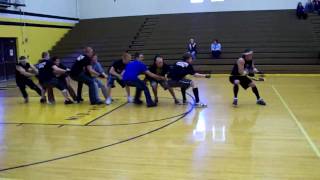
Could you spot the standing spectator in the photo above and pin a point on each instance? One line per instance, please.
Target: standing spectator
(309, 6)
(316, 6)
(216, 49)
(192, 48)
(301, 11)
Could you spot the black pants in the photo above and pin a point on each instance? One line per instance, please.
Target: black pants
(23, 83)
(216, 54)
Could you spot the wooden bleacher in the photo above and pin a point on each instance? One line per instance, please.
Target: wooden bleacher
(282, 43)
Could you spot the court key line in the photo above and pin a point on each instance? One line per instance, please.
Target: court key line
(303, 131)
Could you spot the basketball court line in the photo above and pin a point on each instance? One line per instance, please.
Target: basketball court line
(296, 120)
(106, 146)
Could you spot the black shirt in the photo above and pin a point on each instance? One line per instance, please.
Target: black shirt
(158, 71)
(180, 70)
(81, 62)
(248, 66)
(118, 66)
(26, 67)
(45, 71)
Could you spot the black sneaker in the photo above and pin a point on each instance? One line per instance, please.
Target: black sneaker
(66, 102)
(156, 100)
(79, 100)
(151, 105)
(235, 102)
(26, 100)
(138, 101)
(177, 102)
(261, 102)
(43, 100)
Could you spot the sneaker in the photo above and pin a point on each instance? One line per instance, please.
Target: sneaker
(152, 105)
(138, 101)
(26, 100)
(51, 102)
(235, 102)
(130, 99)
(177, 102)
(156, 100)
(99, 103)
(200, 105)
(261, 102)
(43, 100)
(79, 100)
(66, 102)
(108, 101)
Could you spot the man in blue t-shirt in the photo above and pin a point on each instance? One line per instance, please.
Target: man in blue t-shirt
(131, 78)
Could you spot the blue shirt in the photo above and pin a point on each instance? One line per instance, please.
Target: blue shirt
(98, 68)
(133, 70)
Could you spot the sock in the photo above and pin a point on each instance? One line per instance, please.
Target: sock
(196, 94)
(235, 91)
(256, 92)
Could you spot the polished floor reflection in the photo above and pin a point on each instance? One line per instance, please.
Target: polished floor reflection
(125, 141)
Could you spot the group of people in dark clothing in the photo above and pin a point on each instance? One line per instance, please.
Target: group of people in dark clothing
(51, 73)
(312, 6)
(126, 71)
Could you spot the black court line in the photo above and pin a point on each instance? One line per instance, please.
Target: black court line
(102, 125)
(109, 112)
(99, 148)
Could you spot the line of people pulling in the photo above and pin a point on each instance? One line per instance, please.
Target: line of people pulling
(87, 70)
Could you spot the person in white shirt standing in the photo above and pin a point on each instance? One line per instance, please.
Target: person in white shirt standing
(216, 49)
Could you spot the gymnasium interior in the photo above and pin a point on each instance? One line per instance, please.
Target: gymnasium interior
(127, 141)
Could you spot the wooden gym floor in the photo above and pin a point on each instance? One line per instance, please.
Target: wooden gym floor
(125, 141)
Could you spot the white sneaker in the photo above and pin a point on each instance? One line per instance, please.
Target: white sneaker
(108, 101)
(130, 99)
(201, 105)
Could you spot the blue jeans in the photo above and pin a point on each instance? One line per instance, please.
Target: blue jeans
(140, 86)
(99, 85)
(89, 81)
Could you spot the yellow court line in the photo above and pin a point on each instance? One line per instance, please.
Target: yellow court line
(303, 131)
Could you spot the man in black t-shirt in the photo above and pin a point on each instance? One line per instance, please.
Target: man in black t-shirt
(47, 78)
(65, 77)
(82, 72)
(177, 78)
(162, 69)
(24, 72)
(115, 74)
(243, 68)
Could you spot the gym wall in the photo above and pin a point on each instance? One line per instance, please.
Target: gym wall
(39, 25)
(118, 8)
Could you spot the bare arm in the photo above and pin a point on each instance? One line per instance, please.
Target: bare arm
(24, 72)
(148, 73)
(34, 69)
(92, 71)
(198, 75)
(58, 70)
(241, 70)
(114, 72)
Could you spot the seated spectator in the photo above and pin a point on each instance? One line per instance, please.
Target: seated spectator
(216, 49)
(301, 11)
(309, 6)
(192, 48)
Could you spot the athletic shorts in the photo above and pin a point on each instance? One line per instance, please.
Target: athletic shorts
(244, 81)
(183, 83)
(111, 80)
